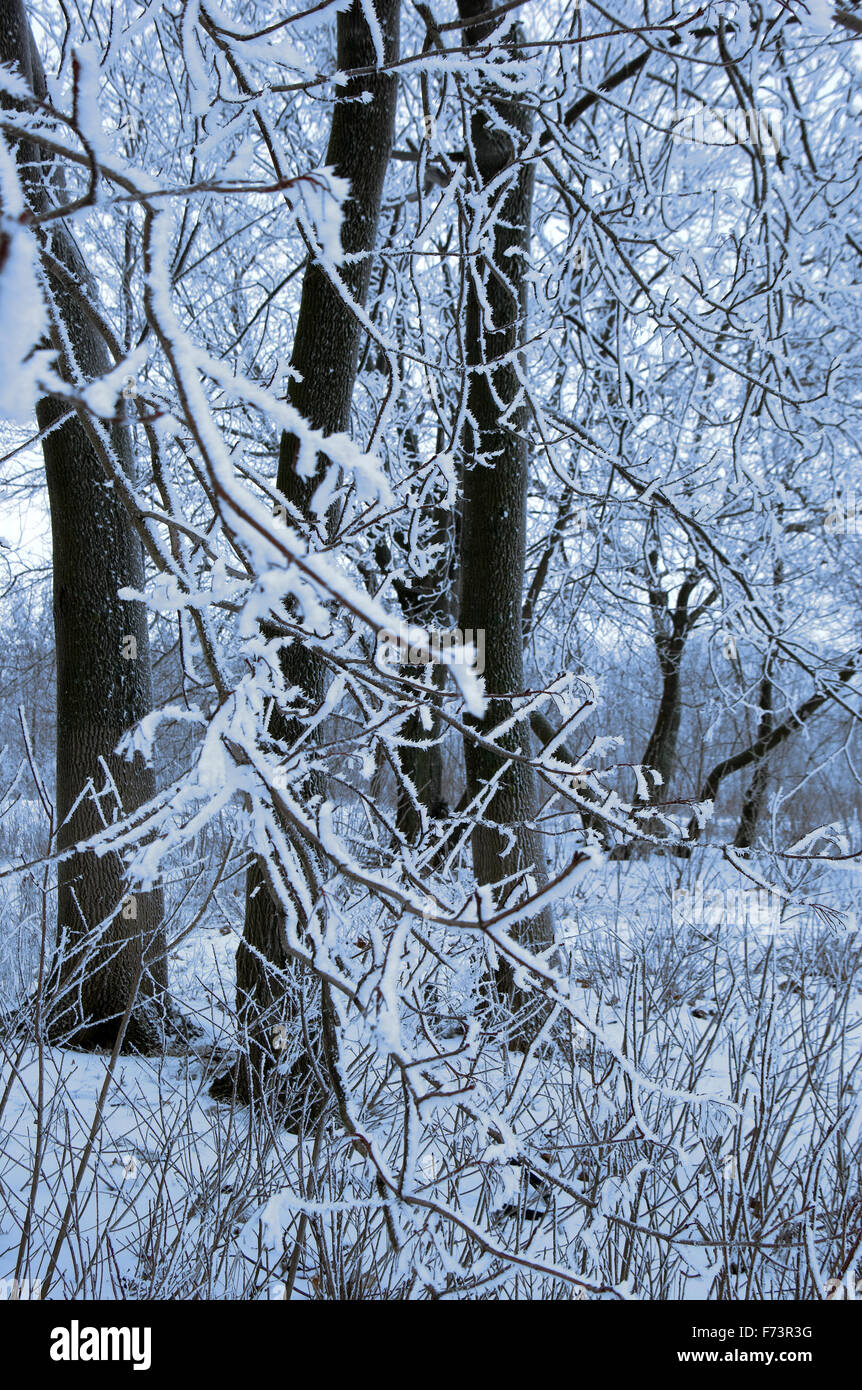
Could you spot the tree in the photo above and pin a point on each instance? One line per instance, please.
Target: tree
(110, 943)
(607, 350)
(507, 847)
(769, 736)
(323, 370)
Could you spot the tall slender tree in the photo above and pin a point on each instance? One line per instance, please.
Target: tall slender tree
(324, 364)
(506, 844)
(110, 943)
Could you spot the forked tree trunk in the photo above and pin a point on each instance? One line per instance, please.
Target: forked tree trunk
(325, 357)
(104, 683)
(506, 844)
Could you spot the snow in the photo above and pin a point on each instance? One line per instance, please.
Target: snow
(87, 106)
(23, 365)
(816, 15)
(685, 395)
(323, 194)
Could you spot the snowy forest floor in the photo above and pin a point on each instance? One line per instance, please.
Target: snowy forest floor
(752, 1191)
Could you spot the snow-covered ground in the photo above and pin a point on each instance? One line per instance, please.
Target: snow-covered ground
(705, 1143)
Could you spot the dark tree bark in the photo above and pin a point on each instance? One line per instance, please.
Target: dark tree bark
(660, 752)
(672, 626)
(755, 794)
(428, 601)
(325, 357)
(671, 629)
(752, 803)
(506, 844)
(104, 682)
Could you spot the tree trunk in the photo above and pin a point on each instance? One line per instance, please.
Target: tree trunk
(506, 844)
(753, 800)
(755, 794)
(104, 683)
(325, 357)
(660, 752)
(671, 629)
(427, 601)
